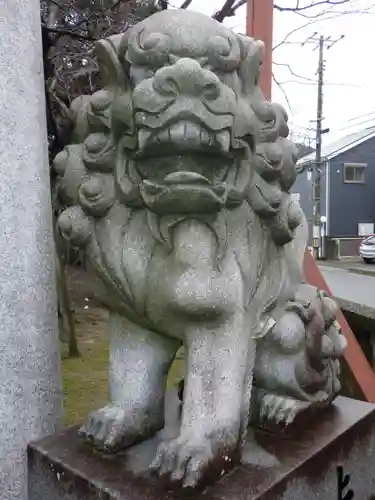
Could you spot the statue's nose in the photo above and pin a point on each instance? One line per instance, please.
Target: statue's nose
(187, 77)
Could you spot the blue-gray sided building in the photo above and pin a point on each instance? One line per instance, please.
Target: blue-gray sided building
(347, 186)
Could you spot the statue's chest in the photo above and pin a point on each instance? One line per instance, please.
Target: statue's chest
(189, 277)
(186, 282)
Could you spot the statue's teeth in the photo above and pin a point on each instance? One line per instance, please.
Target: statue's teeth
(223, 138)
(177, 131)
(192, 132)
(204, 137)
(186, 131)
(143, 136)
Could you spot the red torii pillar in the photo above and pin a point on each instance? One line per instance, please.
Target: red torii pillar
(259, 24)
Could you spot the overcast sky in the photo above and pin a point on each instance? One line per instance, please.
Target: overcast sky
(349, 93)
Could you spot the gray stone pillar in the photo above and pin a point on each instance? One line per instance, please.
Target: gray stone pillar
(30, 391)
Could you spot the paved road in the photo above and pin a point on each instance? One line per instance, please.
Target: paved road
(350, 286)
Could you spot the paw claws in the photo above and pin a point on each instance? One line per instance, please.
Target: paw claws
(183, 462)
(105, 428)
(158, 460)
(178, 475)
(194, 472)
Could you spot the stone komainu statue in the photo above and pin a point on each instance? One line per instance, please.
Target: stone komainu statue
(177, 182)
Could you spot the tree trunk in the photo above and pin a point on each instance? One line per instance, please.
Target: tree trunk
(65, 305)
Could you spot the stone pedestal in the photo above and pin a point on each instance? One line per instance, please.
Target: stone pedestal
(322, 460)
(30, 394)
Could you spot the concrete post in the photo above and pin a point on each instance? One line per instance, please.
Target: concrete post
(30, 382)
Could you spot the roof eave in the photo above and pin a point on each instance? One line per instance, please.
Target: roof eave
(305, 162)
(312, 161)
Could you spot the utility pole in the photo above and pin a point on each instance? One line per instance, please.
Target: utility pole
(319, 221)
(318, 151)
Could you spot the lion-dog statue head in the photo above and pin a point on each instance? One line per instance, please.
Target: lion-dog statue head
(177, 186)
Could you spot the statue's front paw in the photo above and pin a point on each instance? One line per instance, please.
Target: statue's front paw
(183, 461)
(192, 462)
(109, 429)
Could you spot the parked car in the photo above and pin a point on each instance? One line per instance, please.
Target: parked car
(367, 249)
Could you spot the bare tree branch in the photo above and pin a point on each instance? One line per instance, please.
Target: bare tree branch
(300, 28)
(54, 7)
(225, 11)
(186, 4)
(293, 73)
(298, 8)
(325, 15)
(228, 9)
(116, 4)
(284, 93)
(72, 34)
(239, 4)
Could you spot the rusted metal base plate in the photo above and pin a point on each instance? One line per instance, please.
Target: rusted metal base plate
(311, 464)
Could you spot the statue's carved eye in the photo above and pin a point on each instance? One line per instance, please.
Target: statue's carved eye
(211, 91)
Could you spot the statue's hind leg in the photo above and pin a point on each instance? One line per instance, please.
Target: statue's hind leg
(139, 362)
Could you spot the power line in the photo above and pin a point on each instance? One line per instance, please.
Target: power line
(314, 83)
(367, 123)
(361, 116)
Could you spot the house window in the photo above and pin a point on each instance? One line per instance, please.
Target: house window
(354, 173)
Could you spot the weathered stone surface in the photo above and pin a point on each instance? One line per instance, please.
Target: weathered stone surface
(362, 311)
(304, 466)
(179, 182)
(30, 396)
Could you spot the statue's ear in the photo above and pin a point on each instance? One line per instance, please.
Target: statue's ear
(112, 72)
(252, 59)
(114, 103)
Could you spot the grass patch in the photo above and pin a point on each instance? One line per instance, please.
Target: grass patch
(176, 372)
(85, 381)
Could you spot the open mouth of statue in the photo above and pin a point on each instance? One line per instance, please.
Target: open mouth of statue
(183, 185)
(183, 192)
(184, 167)
(183, 137)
